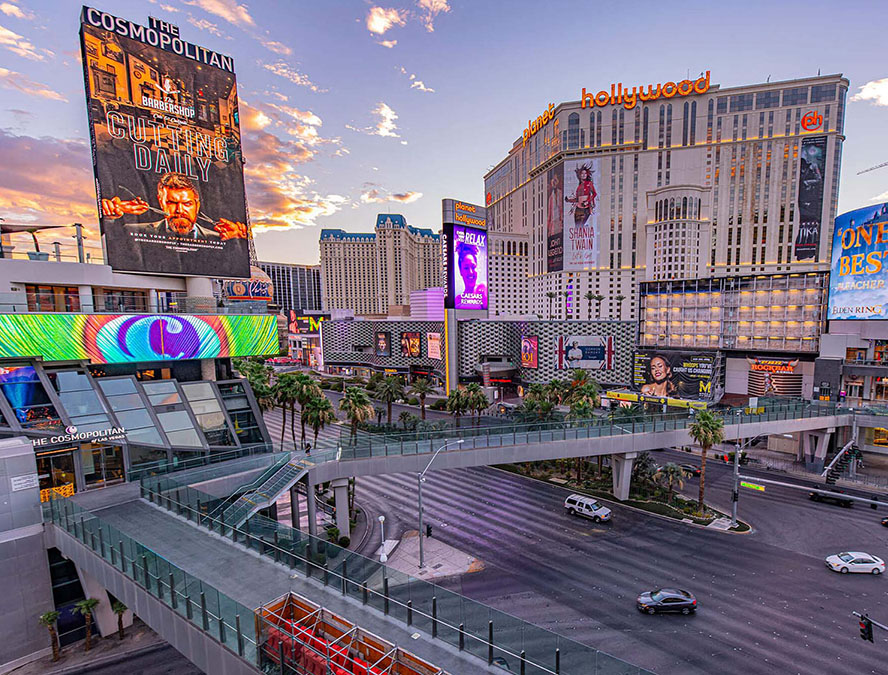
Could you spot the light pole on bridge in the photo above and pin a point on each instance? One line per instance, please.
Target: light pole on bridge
(420, 479)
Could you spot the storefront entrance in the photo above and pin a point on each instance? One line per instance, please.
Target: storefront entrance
(55, 471)
(102, 464)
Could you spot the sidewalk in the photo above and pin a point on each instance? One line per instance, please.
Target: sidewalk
(441, 560)
(105, 651)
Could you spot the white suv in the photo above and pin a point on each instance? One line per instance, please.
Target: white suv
(587, 506)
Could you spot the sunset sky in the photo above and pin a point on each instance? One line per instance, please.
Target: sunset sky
(349, 108)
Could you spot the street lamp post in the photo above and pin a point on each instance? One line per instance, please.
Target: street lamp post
(383, 558)
(420, 479)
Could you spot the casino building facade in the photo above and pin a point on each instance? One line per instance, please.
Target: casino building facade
(688, 180)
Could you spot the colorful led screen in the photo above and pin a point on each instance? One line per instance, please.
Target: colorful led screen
(857, 279)
(131, 338)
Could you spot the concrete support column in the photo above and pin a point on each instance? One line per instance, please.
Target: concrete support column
(340, 494)
(24, 567)
(621, 469)
(311, 507)
(87, 304)
(208, 369)
(294, 508)
(153, 304)
(103, 616)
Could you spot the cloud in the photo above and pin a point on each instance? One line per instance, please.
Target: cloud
(278, 47)
(281, 69)
(48, 180)
(19, 45)
(280, 195)
(431, 9)
(379, 20)
(385, 125)
(209, 26)
(880, 198)
(388, 44)
(12, 9)
(875, 91)
(373, 194)
(417, 84)
(229, 10)
(13, 80)
(170, 9)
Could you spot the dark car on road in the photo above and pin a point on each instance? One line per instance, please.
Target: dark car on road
(833, 496)
(691, 469)
(666, 600)
(884, 522)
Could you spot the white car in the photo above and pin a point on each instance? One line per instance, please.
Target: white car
(855, 561)
(587, 506)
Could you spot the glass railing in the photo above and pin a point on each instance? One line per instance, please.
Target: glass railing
(467, 625)
(165, 466)
(418, 442)
(223, 619)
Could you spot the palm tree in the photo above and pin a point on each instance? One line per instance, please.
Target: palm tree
(589, 296)
(587, 393)
(579, 410)
(318, 412)
(551, 295)
(49, 619)
(707, 430)
(404, 418)
(536, 392)
(457, 403)
(643, 469)
(556, 391)
(305, 390)
(476, 400)
(545, 411)
(284, 394)
(598, 298)
(619, 298)
(86, 607)
(578, 377)
(566, 295)
(422, 387)
(356, 405)
(389, 390)
(380, 413)
(672, 475)
(119, 609)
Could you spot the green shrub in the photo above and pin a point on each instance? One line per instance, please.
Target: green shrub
(412, 401)
(344, 542)
(439, 404)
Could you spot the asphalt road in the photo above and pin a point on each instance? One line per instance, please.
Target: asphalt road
(767, 602)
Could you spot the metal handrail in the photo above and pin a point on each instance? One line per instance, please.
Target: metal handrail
(245, 536)
(146, 573)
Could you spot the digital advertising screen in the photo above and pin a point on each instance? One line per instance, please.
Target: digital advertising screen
(433, 340)
(133, 338)
(529, 351)
(812, 173)
(678, 374)
(858, 266)
(580, 232)
(383, 344)
(469, 272)
(164, 127)
(589, 352)
(305, 325)
(555, 218)
(410, 345)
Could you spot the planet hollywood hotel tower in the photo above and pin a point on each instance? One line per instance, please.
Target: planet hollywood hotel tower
(639, 182)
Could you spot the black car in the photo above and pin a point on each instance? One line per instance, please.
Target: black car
(884, 522)
(833, 495)
(666, 600)
(691, 469)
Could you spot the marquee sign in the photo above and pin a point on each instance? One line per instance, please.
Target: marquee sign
(772, 365)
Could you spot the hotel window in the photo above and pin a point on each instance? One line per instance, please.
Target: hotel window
(709, 117)
(573, 131)
(722, 105)
(823, 92)
(795, 96)
(614, 126)
(767, 99)
(592, 128)
(684, 124)
(668, 127)
(741, 102)
(52, 298)
(644, 127)
(693, 122)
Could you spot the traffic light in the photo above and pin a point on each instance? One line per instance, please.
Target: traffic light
(866, 628)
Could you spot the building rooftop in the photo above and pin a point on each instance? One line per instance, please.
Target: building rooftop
(383, 220)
